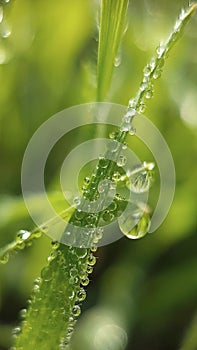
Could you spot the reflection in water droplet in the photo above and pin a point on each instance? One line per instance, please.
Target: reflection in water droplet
(140, 179)
(132, 131)
(85, 281)
(121, 161)
(103, 162)
(129, 218)
(160, 50)
(76, 310)
(23, 235)
(118, 59)
(139, 230)
(132, 103)
(81, 295)
(47, 274)
(113, 146)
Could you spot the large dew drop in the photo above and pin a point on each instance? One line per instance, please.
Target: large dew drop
(135, 231)
(140, 179)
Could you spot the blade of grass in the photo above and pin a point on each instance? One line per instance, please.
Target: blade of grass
(190, 339)
(112, 24)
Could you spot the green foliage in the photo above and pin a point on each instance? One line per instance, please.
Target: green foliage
(112, 25)
(135, 272)
(190, 340)
(56, 293)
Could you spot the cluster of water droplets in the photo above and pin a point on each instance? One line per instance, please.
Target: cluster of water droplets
(153, 69)
(64, 280)
(126, 124)
(5, 32)
(134, 222)
(23, 239)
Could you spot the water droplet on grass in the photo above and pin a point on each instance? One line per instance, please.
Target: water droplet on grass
(81, 295)
(47, 274)
(136, 231)
(140, 179)
(22, 235)
(85, 281)
(118, 59)
(113, 146)
(23, 313)
(157, 73)
(121, 161)
(132, 131)
(91, 260)
(132, 103)
(107, 216)
(76, 310)
(160, 50)
(81, 252)
(4, 259)
(77, 201)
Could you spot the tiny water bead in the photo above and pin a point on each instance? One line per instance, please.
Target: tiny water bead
(116, 176)
(79, 214)
(149, 68)
(81, 294)
(132, 131)
(103, 162)
(142, 107)
(77, 201)
(55, 244)
(113, 146)
(121, 161)
(157, 73)
(91, 260)
(86, 180)
(93, 248)
(23, 313)
(76, 311)
(117, 61)
(47, 274)
(89, 269)
(22, 235)
(85, 281)
(81, 253)
(107, 216)
(16, 330)
(160, 50)
(149, 94)
(4, 258)
(103, 186)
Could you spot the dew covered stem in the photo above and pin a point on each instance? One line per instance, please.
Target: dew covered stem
(57, 294)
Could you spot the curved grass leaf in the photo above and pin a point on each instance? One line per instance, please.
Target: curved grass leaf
(112, 24)
(190, 339)
(54, 305)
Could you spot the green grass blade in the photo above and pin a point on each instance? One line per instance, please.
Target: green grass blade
(55, 302)
(112, 24)
(190, 339)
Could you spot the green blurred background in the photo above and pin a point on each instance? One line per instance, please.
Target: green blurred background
(143, 293)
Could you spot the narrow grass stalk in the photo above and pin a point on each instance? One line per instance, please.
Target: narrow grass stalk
(190, 339)
(54, 306)
(112, 24)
